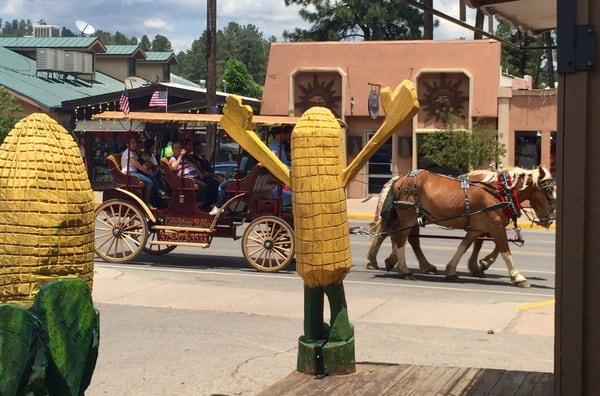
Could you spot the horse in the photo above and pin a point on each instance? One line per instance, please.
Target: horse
(423, 197)
(380, 230)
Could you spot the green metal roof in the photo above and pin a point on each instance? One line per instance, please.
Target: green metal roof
(18, 74)
(121, 49)
(47, 42)
(175, 79)
(155, 56)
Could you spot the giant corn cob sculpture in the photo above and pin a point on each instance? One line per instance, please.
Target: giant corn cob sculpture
(49, 328)
(318, 180)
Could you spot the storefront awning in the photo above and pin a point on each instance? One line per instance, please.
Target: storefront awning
(108, 126)
(536, 16)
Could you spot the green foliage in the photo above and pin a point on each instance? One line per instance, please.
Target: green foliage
(10, 110)
(50, 349)
(20, 343)
(161, 44)
(145, 43)
(242, 42)
(16, 28)
(117, 39)
(459, 148)
(70, 329)
(239, 81)
(368, 20)
(537, 63)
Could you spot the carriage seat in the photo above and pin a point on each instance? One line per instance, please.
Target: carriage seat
(175, 181)
(122, 180)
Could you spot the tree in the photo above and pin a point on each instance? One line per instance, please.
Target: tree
(459, 148)
(161, 44)
(145, 43)
(242, 42)
(238, 81)
(368, 20)
(66, 32)
(10, 110)
(120, 39)
(105, 37)
(537, 63)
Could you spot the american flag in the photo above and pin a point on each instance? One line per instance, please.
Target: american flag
(158, 99)
(124, 102)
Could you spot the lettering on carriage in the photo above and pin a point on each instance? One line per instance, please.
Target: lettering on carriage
(185, 236)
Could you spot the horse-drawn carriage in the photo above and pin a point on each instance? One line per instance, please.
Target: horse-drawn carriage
(126, 225)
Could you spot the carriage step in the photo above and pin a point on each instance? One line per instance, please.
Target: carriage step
(177, 228)
(171, 243)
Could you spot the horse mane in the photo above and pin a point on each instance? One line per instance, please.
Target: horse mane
(515, 173)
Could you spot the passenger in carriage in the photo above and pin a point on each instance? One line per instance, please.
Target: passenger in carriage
(281, 148)
(130, 164)
(181, 163)
(148, 159)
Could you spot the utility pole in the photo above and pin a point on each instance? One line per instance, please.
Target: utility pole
(211, 76)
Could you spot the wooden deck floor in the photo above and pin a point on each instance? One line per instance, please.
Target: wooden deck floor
(386, 379)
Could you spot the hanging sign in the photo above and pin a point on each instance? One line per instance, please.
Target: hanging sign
(373, 102)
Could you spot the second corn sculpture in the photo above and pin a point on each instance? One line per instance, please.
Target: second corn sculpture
(318, 180)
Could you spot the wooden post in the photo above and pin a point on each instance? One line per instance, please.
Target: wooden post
(427, 21)
(211, 75)
(577, 326)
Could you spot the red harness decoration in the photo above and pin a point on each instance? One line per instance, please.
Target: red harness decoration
(507, 194)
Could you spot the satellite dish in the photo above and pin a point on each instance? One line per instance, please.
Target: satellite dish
(85, 27)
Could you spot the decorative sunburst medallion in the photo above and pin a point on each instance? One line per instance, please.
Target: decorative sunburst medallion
(318, 93)
(441, 97)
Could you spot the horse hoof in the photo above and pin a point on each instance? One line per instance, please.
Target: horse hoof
(524, 284)
(372, 266)
(452, 278)
(408, 276)
(431, 271)
(389, 265)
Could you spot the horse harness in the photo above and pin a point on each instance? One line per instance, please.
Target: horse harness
(509, 202)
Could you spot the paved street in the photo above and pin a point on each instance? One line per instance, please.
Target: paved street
(202, 322)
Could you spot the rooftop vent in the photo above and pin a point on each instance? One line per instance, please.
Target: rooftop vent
(46, 31)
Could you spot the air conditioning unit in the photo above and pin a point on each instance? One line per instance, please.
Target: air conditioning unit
(48, 59)
(78, 62)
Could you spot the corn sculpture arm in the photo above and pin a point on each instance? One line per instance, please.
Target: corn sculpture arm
(318, 180)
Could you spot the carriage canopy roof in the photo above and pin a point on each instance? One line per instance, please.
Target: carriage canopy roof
(159, 118)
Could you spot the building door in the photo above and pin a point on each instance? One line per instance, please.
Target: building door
(380, 167)
(528, 149)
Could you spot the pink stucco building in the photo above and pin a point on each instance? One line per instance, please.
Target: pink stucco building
(464, 74)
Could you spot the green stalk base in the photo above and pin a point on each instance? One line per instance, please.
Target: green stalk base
(338, 356)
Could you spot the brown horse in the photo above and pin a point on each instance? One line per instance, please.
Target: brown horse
(441, 200)
(381, 229)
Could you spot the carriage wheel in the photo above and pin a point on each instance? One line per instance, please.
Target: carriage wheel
(121, 231)
(156, 250)
(268, 244)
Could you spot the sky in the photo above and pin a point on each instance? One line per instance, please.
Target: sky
(183, 20)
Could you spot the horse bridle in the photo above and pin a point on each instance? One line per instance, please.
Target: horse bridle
(548, 188)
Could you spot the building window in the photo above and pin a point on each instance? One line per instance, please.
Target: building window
(528, 149)
(166, 69)
(380, 166)
(131, 67)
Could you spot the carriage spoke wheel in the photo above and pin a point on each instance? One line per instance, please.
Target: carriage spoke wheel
(121, 231)
(156, 250)
(268, 244)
